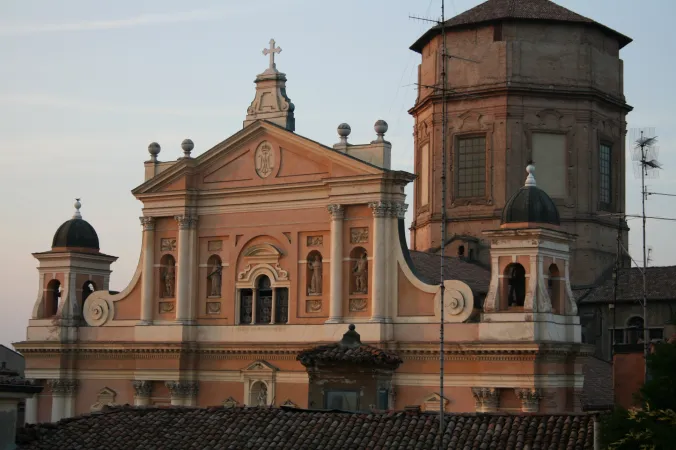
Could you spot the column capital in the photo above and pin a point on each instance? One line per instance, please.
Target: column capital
(397, 210)
(380, 208)
(183, 388)
(530, 399)
(186, 222)
(337, 211)
(148, 223)
(486, 398)
(63, 386)
(142, 388)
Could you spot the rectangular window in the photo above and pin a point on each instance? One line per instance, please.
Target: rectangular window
(605, 174)
(549, 156)
(471, 164)
(342, 400)
(424, 170)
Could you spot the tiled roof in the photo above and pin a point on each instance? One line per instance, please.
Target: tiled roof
(349, 349)
(498, 10)
(11, 381)
(597, 393)
(127, 428)
(427, 268)
(660, 282)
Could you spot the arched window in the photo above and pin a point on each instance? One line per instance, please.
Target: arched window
(359, 271)
(264, 305)
(635, 330)
(214, 277)
(263, 300)
(258, 394)
(515, 277)
(554, 286)
(52, 297)
(167, 277)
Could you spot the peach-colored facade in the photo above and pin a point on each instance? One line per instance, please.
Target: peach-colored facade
(270, 243)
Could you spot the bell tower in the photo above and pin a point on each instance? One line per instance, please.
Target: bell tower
(69, 272)
(532, 81)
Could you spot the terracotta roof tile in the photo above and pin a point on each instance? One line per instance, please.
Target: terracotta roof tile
(597, 393)
(127, 428)
(427, 268)
(499, 10)
(660, 281)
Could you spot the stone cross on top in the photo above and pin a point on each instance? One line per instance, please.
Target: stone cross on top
(271, 51)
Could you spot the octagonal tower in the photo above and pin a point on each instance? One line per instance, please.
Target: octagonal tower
(543, 84)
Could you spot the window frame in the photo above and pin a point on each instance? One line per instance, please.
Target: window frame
(609, 204)
(457, 139)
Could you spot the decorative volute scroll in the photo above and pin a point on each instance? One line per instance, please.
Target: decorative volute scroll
(458, 301)
(105, 397)
(433, 402)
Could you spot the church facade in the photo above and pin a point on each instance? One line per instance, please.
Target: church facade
(258, 254)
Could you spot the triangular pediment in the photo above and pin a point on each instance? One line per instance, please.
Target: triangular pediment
(261, 154)
(260, 366)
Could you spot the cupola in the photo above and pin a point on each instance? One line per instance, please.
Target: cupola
(76, 234)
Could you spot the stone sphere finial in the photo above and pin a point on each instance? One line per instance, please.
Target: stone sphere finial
(154, 150)
(77, 206)
(351, 327)
(530, 179)
(344, 131)
(187, 145)
(380, 128)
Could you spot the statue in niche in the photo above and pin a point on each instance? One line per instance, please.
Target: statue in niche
(215, 278)
(360, 275)
(169, 279)
(315, 266)
(262, 397)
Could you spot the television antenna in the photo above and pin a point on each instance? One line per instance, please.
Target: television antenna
(444, 89)
(646, 165)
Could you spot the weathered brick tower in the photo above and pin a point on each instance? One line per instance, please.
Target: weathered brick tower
(546, 85)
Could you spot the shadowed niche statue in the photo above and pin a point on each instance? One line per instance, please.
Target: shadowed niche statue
(315, 266)
(360, 275)
(215, 278)
(169, 278)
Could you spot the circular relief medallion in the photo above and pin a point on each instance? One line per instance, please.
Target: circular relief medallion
(264, 159)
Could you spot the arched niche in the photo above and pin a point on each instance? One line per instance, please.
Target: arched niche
(258, 393)
(359, 271)
(214, 276)
(555, 289)
(167, 277)
(52, 296)
(314, 274)
(513, 287)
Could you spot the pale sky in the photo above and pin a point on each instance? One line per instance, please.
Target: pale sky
(86, 86)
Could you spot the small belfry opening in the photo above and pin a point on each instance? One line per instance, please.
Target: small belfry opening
(514, 286)
(554, 287)
(87, 288)
(52, 296)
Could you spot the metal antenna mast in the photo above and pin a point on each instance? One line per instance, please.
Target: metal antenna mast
(645, 160)
(444, 170)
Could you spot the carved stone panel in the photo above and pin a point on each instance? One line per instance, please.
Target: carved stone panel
(358, 304)
(359, 235)
(264, 158)
(215, 246)
(315, 241)
(213, 307)
(166, 307)
(168, 244)
(313, 306)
